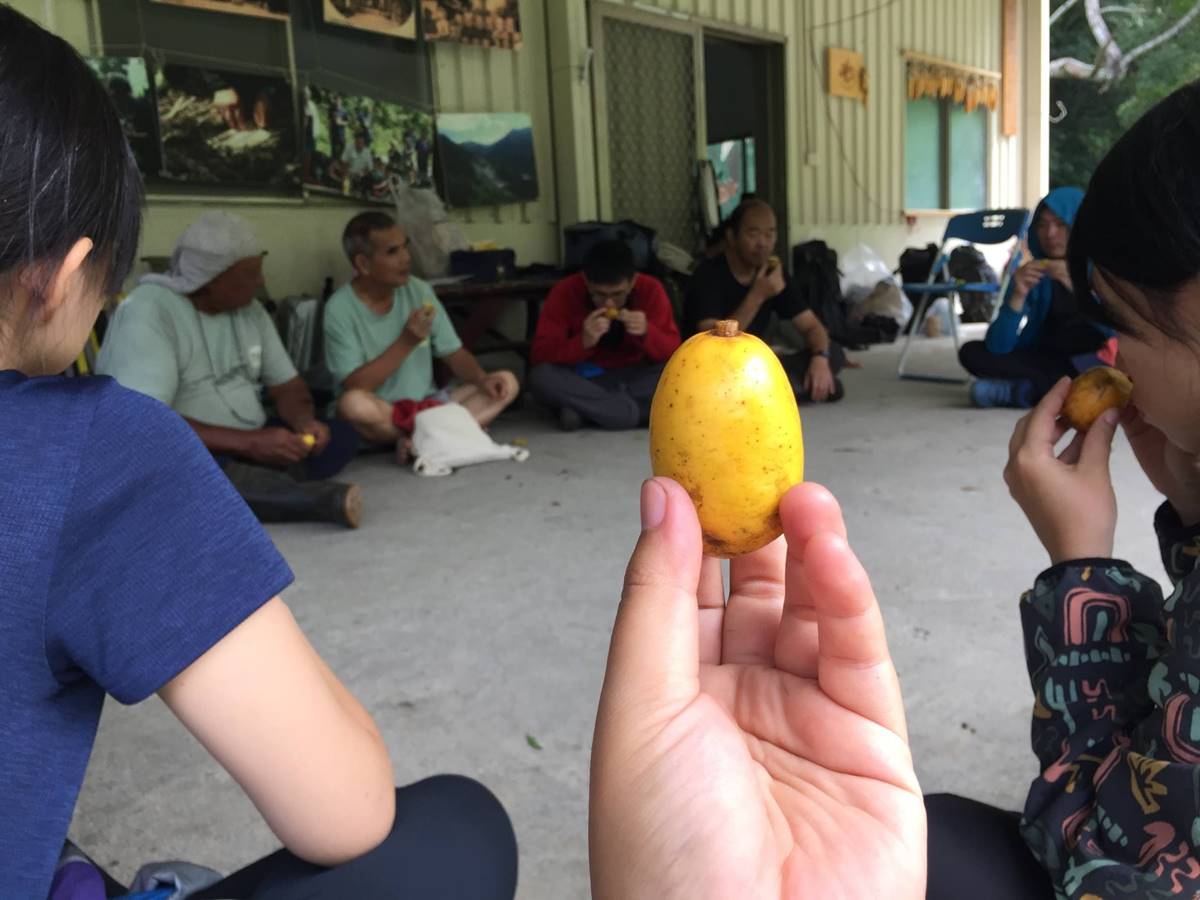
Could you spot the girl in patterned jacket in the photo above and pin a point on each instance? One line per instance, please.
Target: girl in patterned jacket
(1113, 660)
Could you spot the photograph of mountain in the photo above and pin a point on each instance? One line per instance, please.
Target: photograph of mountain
(486, 158)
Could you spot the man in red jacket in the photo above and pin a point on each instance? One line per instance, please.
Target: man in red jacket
(602, 339)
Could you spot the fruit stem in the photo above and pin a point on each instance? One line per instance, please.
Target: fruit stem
(726, 328)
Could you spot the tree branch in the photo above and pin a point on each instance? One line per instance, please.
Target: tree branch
(1164, 37)
(1069, 67)
(1058, 13)
(1100, 31)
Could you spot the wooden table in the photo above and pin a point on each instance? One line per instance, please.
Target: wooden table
(483, 302)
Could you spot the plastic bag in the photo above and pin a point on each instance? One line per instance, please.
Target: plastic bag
(885, 300)
(432, 237)
(447, 437)
(863, 267)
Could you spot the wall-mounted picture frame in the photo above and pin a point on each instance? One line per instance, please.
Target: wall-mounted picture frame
(226, 127)
(262, 9)
(394, 18)
(355, 145)
(487, 158)
(130, 87)
(479, 23)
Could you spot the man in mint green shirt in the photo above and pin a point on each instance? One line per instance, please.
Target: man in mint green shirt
(382, 332)
(195, 339)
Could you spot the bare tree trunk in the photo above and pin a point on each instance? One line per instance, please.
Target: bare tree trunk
(1111, 62)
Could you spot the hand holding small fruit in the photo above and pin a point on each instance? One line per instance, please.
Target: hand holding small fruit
(315, 435)
(419, 324)
(1068, 498)
(755, 747)
(635, 321)
(494, 385)
(595, 326)
(1024, 279)
(275, 446)
(769, 282)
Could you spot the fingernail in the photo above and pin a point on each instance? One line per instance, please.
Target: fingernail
(1110, 416)
(654, 504)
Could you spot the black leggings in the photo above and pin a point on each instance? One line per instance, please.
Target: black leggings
(452, 840)
(976, 851)
(1041, 367)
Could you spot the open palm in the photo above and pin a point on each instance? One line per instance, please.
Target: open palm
(754, 748)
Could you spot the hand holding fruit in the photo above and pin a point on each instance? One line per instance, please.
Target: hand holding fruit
(1023, 281)
(420, 324)
(315, 435)
(595, 326)
(635, 321)
(770, 281)
(1068, 498)
(726, 730)
(275, 446)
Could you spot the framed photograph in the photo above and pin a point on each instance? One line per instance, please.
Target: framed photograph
(395, 18)
(733, 165)
(355, 145)
(127, 80)
(263, 9)
(481, 23)
(487, 158)
(225, 127)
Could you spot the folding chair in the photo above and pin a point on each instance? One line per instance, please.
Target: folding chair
(987, 226)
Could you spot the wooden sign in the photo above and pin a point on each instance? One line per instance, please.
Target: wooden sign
(847, 74)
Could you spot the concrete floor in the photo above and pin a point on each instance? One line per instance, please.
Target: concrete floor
(472, 611)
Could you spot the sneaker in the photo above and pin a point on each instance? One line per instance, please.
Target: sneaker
(994, 392)
(569, 420)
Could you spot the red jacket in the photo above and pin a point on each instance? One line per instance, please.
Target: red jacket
(559, 336)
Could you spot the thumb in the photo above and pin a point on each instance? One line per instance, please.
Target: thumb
(655, 640)
(1097, 444)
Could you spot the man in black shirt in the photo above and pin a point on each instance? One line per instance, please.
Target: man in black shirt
(744, 283)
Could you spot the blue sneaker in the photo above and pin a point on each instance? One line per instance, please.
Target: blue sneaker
(993, 392)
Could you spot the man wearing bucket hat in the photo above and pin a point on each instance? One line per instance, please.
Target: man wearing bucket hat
(195, 338)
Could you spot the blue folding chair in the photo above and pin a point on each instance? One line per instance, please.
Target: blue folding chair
(987, 226)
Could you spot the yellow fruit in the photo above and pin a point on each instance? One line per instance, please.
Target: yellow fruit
(308, 439)
(611, 312)
(773, 263)
(724, 424)
(1092, 393)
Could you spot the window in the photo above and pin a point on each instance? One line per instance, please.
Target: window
(945, 156)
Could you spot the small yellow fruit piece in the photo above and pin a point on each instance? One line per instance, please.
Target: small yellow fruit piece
(1092, 393)
(308, 439)
(611, 312)
(773, 263)
(724, 424)
(427, 306)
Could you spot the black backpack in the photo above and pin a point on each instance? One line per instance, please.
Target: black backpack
(817, 277)
(969, 265)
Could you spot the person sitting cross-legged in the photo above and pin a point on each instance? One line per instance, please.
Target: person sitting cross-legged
(383, 330)
(195, 339)
(602, 339)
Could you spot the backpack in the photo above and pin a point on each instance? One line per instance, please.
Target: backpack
(915, 265)
(969, 265)
(578, 239)
(816, 275)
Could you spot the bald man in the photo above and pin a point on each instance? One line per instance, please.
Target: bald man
(740, 283)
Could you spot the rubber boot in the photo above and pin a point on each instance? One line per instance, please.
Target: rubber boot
(275, 496)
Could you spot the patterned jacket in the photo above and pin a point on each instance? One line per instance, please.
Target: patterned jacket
(1115, 670)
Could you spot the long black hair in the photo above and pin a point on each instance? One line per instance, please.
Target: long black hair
(1140, 218)
(66, 171)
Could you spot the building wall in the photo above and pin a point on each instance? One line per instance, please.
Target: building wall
(845, 166)
(846, 160)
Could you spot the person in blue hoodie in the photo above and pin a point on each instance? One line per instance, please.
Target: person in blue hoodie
(1039, 332)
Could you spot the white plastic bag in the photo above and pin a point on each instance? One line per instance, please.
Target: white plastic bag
(447, 437)
(863, 267)
(432, 237)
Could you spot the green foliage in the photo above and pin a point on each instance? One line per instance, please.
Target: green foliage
(1099, 112)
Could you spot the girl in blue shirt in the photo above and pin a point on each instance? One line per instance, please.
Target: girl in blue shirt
(130, 567)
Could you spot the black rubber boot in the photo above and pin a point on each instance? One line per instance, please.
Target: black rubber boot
(275, 496)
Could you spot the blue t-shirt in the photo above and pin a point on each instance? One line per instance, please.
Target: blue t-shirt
(125, 554)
